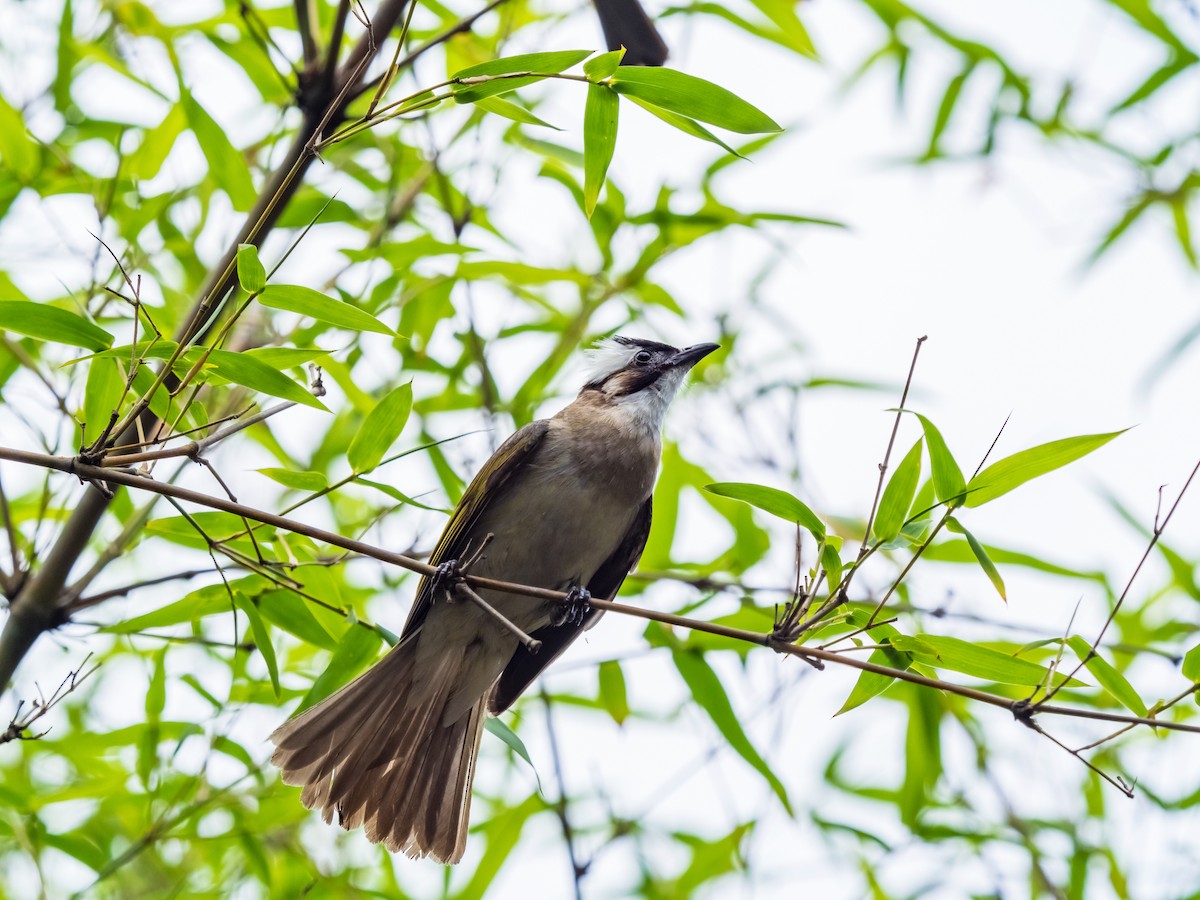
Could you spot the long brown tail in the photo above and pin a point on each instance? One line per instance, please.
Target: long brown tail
(378, 754)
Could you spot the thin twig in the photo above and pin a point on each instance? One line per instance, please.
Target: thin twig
(578, 870)
(19, 724)
(887, 455)
(193, 449)
(531, 644)
(1021, 709)
(1159, 528)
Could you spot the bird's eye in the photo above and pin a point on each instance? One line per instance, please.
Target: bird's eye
(643, 357)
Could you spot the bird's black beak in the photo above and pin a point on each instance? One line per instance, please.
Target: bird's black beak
(689, 356)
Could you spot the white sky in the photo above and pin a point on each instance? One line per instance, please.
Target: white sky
(985, 260)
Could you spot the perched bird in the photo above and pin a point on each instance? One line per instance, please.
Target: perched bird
(625, 24)
(562, 504)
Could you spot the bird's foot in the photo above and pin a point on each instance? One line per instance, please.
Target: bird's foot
(446, 579)
(574, 609)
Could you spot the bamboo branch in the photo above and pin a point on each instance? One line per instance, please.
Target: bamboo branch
(1022, 710)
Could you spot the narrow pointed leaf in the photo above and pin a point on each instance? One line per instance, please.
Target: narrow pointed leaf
(1108, 677)
(1191, 664)
(599, 141)
(981, 555)
(262, 637)
(772, 500)
(226, 163)
(299, 481)
(708, 692)
(958, 655)
(613, 695)
(686, 125)
(898, 495)
(357, 647)
(603, 66)
(251, 274)
(243, 369)
(872, 684)
(380, 429)
(49, 323)
(948, 480)
(101, 396)
(501, 107)
(692, 97)
(307, 302)
(1013, 471)
(538, 65)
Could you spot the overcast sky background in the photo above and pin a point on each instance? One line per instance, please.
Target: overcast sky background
(987, 259)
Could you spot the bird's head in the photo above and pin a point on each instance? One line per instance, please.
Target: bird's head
(639, 375)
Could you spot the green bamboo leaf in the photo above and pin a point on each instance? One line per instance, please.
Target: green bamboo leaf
(49, 323)
(262, 637)
(1191, 664)
(1108, 677)
(686, 125)
(774, 501)
(357, 647)
(898, 495)
(981, 555)
(948, 480)
(972, 659)
(793, 34)
(599, 141)
(708, 692)
(380, 429)
(148, 158)
(227, 164)
(613, 696)
(101, 396)
(300, 481)
(246, 370)
(477, 82)
(289, 611)
(872, 684)
(946, 109)
(692, 97)
(498, 729)
(1013, 471)
(251, 274)
(501, 107)
(315, 305)
(156, 691)
(831, 561)
(604, 65)
(20, 152)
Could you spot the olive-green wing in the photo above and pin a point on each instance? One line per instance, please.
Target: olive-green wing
(488, 485)
(525, 666)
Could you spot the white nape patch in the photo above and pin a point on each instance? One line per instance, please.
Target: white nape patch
(608, 356)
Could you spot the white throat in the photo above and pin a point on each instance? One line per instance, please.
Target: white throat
(648, 407)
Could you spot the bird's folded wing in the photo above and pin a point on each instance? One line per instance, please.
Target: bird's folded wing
(525, 667)
(492, 481)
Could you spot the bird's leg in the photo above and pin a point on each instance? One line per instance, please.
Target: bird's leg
(450, 574)
(574, 609)
(446, 579)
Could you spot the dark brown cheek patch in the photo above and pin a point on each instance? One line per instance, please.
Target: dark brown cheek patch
(630, 382)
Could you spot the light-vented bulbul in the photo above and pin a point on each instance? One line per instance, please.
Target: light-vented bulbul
(567, 502)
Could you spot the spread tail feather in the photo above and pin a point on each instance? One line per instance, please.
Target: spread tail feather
(377, 754)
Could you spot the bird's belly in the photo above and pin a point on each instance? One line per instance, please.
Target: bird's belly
(552, 536)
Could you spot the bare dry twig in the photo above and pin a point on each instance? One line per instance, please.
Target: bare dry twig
(19, 724)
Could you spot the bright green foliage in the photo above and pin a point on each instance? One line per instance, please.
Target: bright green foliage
(433, 306)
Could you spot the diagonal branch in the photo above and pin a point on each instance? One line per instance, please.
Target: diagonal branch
(1022, 710)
